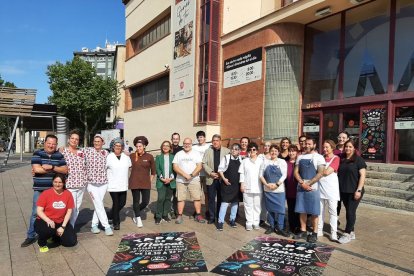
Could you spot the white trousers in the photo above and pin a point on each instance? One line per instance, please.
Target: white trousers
(333, 217)
(97, 194)
(77, 195)
(252, 208)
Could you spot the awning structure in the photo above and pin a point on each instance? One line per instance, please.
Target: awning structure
(16, 101)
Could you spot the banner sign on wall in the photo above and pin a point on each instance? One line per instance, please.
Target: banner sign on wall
(243, 68)
(158, 253)
(183, 29)
(373, 133)
(270, 256)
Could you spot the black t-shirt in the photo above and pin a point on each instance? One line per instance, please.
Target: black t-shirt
(348, 174)
(216, 158)
(176, 149)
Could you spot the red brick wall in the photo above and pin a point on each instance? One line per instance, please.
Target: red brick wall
(242, 106)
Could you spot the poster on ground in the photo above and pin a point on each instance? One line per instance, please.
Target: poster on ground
(183, 30)
(271, 256)
(158, 253)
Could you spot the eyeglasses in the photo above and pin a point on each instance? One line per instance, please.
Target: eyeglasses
(253, 150)
(187, 144)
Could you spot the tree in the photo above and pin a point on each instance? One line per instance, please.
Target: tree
(6, 122)
(81, 95)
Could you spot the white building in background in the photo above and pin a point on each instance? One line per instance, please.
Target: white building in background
(171, 69)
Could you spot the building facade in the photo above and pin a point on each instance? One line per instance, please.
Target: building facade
(320, 67)
(172, 69)
(109, 63)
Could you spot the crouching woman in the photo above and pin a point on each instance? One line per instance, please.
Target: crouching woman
(54, 208)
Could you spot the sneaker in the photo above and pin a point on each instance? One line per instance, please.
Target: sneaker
(281, 232)
(199, 218)
(108, 231)
(300, 235)
(138, 221)
(233, 224)
(167, 219)
(256, 227)
(269, 231)
(220, 226)
(43, 249)
(334, 236)
(346, 238)
(313, 237)
(172, 215)
(262, 223)
(28, 241)
(353, 235)
(320, 233)
(179, 219)
(249, 228)
(95, 229)
(117, 227)
(157, 221)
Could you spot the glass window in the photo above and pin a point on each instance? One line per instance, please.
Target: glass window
(351, 124)
(311, 127)
(404, 47)
(404, 133)
(150, 93)
(366, 50)
(330, 126)
(206, 26)
(322, 60)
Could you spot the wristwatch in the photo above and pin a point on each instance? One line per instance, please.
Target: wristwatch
(359, 191)
(53, 167)
(63, 227)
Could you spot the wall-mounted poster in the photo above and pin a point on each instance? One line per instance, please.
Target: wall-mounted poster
(158, 253)
(243, 68)
(373, 133)
(271, 256)
(183, 29)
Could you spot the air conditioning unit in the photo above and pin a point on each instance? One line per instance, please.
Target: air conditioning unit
(323, 12)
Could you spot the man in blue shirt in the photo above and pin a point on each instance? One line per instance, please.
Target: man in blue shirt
(45, 163)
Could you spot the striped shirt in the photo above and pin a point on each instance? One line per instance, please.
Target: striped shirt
(40, 157)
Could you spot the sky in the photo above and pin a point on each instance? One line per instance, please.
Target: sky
(35, 34)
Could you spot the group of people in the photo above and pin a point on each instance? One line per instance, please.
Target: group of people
(283, 174)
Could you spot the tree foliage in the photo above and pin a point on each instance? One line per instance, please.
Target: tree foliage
(81, 95)
(6, 123)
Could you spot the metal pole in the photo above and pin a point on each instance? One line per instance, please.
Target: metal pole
(21, 141)
(11, 141)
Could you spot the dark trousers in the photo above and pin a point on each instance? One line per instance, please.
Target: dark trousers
(351, 206)
(118, 202)
(136, 198)
(174, 202)
(213, 190)
(165, 194)
(293, 218)
(68, 239)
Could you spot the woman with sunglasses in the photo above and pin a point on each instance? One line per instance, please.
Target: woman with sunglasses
(251, 187)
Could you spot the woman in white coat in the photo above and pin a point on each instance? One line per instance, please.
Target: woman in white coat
(117, 165)
(329, 189)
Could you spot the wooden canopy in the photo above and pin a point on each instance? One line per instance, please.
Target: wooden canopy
(16, 101)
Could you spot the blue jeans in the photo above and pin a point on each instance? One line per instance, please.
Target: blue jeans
(272, 217)
(31, 231)
(223, 209)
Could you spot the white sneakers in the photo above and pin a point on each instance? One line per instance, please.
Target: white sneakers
(334, 236)
(346, 238)
(138, 222)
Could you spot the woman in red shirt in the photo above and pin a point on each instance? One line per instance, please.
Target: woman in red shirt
(54, 208)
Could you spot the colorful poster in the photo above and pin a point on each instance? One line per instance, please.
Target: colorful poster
(373, 133)
(158, 253)
(270, 256)
(243, 68)
(183, 29)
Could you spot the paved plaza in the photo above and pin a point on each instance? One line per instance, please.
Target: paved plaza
(384, 244)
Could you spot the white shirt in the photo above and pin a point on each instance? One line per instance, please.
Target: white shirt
(249, 175)
(201, 149)
(187, 161)
(117, 171)
(225, 161)
(329, 185)
(280, 163)
(317, 160)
